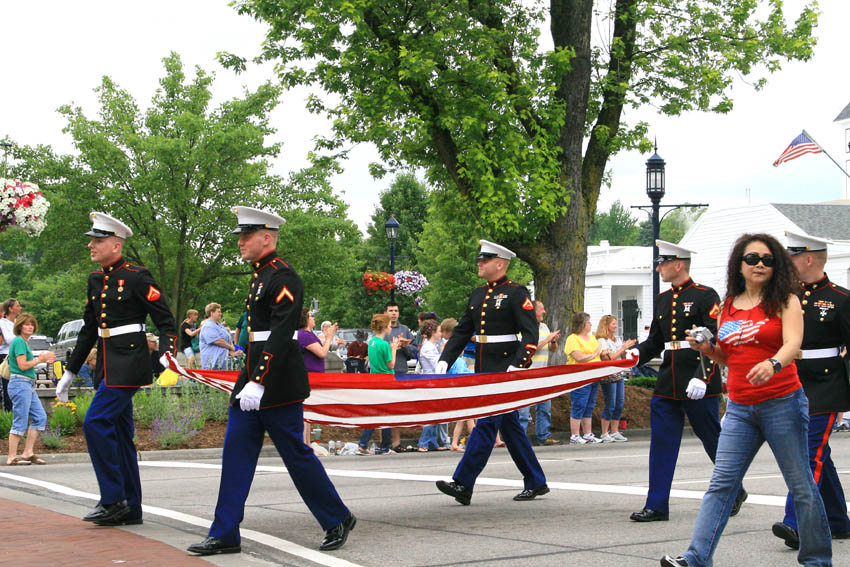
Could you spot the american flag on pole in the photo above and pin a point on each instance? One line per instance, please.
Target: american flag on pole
(384, 400)
(801, 145)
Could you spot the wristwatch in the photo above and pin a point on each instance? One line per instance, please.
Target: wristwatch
(777, 366)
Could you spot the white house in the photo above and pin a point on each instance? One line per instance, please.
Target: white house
(619, 278)
(843, 122)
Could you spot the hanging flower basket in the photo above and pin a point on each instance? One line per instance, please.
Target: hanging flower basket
(22, 206)
(409, 282)
(378, 281)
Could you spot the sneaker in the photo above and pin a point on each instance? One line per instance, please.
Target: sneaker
(576, 440)
(619, 437)
(591, 438)
(668, 561)
(606, 438)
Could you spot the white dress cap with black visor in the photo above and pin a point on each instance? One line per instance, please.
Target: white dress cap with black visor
(668, 251)
(104, 225)
(493, 250)
(250, 219)
(797, 243)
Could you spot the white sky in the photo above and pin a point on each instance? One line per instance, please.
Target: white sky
(64, 48)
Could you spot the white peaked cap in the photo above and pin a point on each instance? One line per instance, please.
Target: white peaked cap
(798, 243)
(493, 250)
(251, 219)
(104, 225)
(669, 251)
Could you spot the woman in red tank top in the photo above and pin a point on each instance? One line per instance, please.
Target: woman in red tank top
(759, 333)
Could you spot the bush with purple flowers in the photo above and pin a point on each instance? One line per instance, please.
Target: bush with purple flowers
(175, 429)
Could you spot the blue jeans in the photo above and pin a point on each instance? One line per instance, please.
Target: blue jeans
(583, 400)
(542, 419)
(386, 438)
(783, 422)
(25, 405)
(615, 399)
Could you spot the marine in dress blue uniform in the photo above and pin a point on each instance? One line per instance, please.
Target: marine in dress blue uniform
(823, 373)
(686, 385)
(119, 299)
(268, 396)
(495, 315)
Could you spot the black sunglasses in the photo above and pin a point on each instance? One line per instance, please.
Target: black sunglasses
(752, 259)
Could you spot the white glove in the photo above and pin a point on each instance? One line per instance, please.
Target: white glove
(633, 353)
(442, 367)
(696, 389)
(163, 360)
(250, 396)
(64, 385)
(513, 368)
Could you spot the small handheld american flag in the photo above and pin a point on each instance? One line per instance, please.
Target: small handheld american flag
(801, 145)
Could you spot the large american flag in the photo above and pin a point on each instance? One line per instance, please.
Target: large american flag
(384, 400)
(801, 145)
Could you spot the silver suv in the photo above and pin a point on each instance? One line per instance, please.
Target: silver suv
(66, 339)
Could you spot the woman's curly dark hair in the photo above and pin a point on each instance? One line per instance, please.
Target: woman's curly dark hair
(783, 283)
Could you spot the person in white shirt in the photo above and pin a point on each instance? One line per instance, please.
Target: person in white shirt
(11, 310)
(547, 343)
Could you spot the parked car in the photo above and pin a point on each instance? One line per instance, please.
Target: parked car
(66, 340)
(38, 345)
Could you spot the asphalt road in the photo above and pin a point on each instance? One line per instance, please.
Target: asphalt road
(403, 520)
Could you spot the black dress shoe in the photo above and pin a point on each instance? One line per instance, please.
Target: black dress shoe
(460, 493)
(647, 515)
(668, 561)
(786, 532)
(96, 513)
(213, 545)
(532, 493)
(118, 514)
(335, 537)
(739, 501)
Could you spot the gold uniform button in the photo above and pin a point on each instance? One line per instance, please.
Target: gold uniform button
(249, 317)
(262, 367)
(660, 316)
(673, 329)
(821, 318)
(826, 370)
(673, 321)
(687, 314)
(674, 304)
(674, 336)
(265, 358)
(249, 329)
(674, 312)
(808, 292)
(102, 315)
(106, 278)
(102, 295)
(103, 325)
(675, 296)
(102, 305)
(805, 302)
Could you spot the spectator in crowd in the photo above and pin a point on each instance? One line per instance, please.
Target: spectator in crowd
(420, 319)
(613, 387)
(188, 332)
(358, 353)
(329, 331)
(429, 356)
(459, 366)
(406, 351)
(216, 344)
(759, 333)
(153, 348)
(548, 343)
(86, 374)
(581, 346)
(241, 336)
(382, 358)
(25, 403)
(313, 349)
(11, 310)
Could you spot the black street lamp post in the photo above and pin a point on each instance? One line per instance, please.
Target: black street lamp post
(391, 226)
(655, 189)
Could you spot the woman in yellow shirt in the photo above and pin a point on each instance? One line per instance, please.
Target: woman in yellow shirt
(581, 346)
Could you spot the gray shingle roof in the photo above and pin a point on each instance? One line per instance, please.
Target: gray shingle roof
(825, 221)
(844, 114)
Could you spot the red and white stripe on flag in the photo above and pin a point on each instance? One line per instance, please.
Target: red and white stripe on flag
(382, 400)
(801, 145)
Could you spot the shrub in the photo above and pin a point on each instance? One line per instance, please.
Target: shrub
(52, 439)
(83, 403)
(152, 404)
(175, 430)
(5, 424)
(647, 382)
(63, 421)
(213, 404)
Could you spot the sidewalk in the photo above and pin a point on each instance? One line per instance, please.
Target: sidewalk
(37, 536)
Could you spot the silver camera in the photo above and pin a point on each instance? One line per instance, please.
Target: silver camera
(701, 335)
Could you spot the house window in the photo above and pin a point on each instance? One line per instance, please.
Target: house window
(847, 141)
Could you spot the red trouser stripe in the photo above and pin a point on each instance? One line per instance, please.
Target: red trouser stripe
(823, 442)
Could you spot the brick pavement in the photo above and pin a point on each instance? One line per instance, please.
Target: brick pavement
(34, 536)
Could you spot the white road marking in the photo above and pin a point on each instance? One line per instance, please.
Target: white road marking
(265, 539)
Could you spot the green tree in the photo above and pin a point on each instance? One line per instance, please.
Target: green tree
(617, 226)
(465, 90)
(673, 226)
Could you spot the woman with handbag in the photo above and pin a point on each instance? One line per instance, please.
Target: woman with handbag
(11, 309)
(25, 403)
(614, 386)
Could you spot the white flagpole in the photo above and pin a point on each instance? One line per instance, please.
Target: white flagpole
(827, 154)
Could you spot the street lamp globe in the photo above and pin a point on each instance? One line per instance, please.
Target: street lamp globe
(391, 226)
(655, 177)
